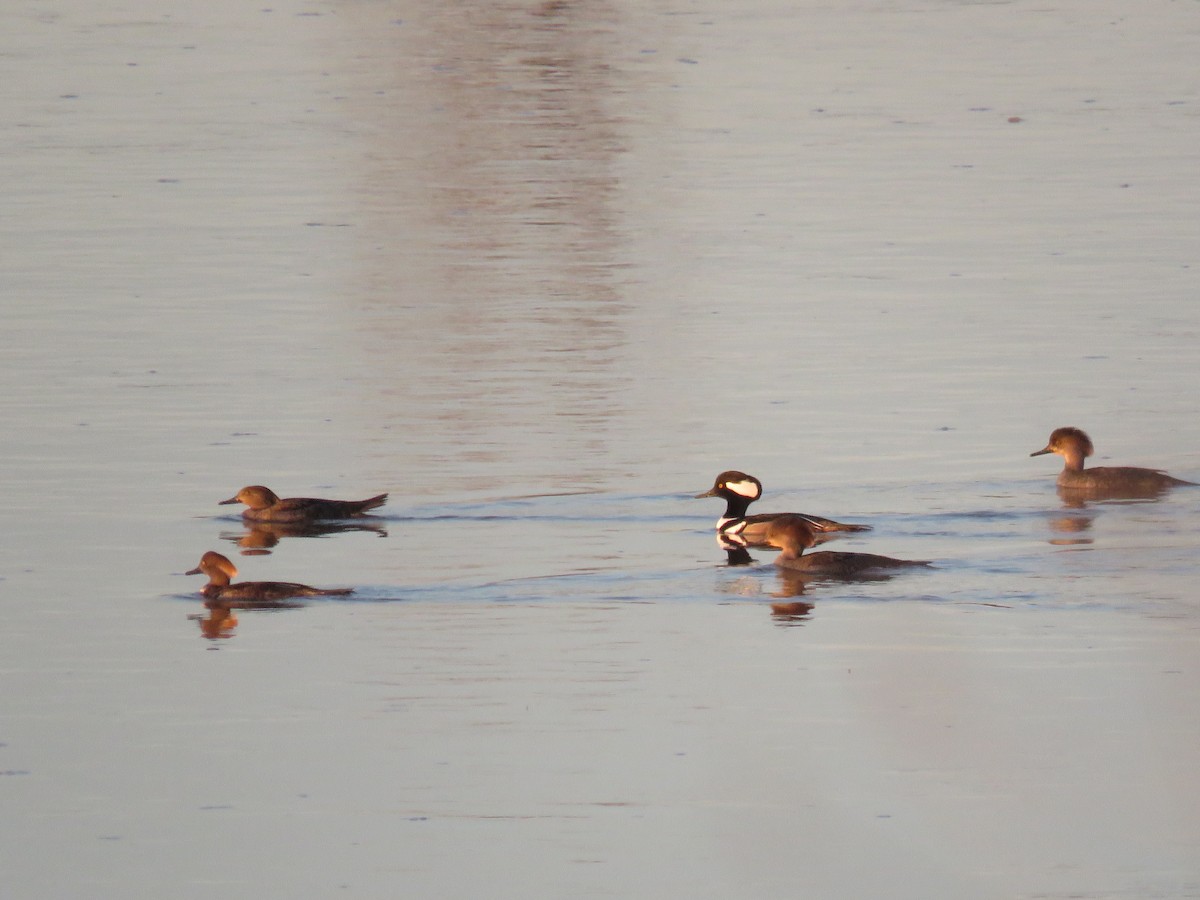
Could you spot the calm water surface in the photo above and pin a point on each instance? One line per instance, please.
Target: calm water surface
(542, 270)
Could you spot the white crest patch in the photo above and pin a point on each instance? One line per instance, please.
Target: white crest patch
(743, 488)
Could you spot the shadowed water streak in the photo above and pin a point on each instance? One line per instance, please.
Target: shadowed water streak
(491, 250)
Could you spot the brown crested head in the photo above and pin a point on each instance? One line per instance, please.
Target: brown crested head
(1067, 441)
(791, 534)
(734, 482)
(217, 567)
(1070, 436)
(254, 496)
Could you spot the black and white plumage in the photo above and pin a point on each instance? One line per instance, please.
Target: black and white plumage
(736, 529)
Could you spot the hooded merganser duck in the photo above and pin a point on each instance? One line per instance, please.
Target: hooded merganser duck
(221, 572)
(792, 535)
(1074, 446)
(735, 527)
(263, 505)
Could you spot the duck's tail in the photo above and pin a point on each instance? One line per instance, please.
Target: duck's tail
(372, 502)
(821, 524)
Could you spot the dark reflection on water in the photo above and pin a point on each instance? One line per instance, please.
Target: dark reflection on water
(790, 612)
(220, 621)
(260, 538)
(216, 624)
(1079, 498)
(493, 254)
(1074, 529)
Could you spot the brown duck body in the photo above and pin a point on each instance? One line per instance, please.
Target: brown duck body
(267, 591)
(843, 565)
(1074, 446)
(739, 490)
(754, 529)
(1118, 478)
(793, 535)
(220, 589)
(263, 505)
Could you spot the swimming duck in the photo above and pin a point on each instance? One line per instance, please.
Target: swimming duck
(221, 572)
(1074, 446)
(735, 527)
(792, 535)
(263, 505)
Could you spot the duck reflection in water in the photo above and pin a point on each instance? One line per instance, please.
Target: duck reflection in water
(792, 584)
(220, 620)
(1077, 485)
(260, 537)
(791, 612)
(221, 593)
(217, 624)
(785, 608)
(1074, 529)
(735, 554)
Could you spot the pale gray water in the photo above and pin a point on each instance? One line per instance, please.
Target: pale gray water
(542, 271)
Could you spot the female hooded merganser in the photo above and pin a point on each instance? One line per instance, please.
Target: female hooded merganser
(221, 571)
(1073, 445)
(264, 506)
(736, 528)
(792, 535)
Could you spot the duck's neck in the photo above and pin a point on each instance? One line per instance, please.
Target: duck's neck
(790, 550)
(1073, 460)
(735, 507)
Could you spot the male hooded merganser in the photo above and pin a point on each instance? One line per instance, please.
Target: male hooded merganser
(1073, 445)
(221, 571)
(793, 535)
(264, 506)
(735, 527)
